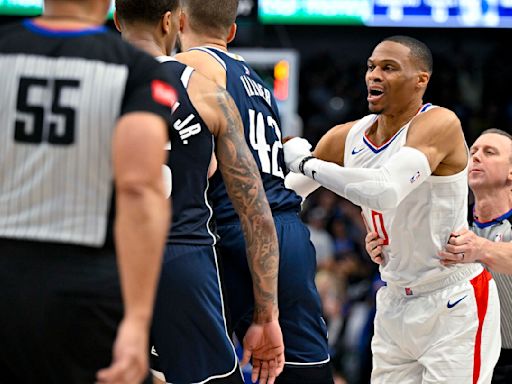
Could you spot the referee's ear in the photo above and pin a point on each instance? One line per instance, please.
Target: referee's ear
(117, 22)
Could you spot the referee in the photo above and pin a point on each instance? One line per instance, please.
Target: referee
(83, 214)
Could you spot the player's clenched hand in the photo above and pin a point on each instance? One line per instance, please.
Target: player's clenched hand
(264, 342)
(130, 355)
(373, 245)
(463, 247)
(294, 151)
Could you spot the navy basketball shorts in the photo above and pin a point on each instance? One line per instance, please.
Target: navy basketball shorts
(60, 308)
(189, 334)
(300, 312)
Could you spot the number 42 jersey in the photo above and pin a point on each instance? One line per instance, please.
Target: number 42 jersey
(260, 118)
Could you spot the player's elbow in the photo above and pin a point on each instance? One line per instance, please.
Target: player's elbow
(375, 196)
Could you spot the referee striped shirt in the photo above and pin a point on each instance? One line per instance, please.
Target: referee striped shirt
(500, 230)
(61, 94)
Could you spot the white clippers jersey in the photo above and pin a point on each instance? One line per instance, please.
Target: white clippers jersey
(420, 226)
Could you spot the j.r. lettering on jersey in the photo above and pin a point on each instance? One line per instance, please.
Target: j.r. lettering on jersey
(255, 89)
(186, 129)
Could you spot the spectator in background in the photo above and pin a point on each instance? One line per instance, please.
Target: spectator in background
(321, 239)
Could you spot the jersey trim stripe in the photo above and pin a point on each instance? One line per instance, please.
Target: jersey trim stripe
(425, 107)
(379, 148)
(232, 55)
(481, 287)
(165, 59)
(207, 202)
(376, 148)
(497, 220)
(40, 30)
(185, 76)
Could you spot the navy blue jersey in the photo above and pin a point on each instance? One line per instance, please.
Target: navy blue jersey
(192, 146)
(260, 117)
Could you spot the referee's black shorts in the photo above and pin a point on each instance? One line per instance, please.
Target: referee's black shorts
(60, 306)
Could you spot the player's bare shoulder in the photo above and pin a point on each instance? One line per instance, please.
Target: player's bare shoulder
(438, 134)
(204, 63)
(214, 104)
(331, 146)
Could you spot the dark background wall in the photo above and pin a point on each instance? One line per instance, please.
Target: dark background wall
(471, 71)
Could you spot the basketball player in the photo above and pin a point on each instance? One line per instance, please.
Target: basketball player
(189, 328)
(82, 120)
(205, 31)
(406, 166)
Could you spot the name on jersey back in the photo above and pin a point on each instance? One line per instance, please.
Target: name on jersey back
(254, 88)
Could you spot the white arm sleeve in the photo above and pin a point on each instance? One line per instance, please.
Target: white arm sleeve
(302, 185)
(378, 189)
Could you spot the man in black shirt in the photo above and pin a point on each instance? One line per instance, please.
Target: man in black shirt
(81, 132)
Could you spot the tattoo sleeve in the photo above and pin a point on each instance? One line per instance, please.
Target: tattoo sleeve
(245, 189)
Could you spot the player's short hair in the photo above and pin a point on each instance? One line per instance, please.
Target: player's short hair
(145, 11)
(211, 16)
(419, 51)
(502, 133)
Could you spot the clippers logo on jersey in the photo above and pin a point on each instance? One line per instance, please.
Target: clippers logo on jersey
(185, 129)
(163, 93)
(498, 238)
(415, 177)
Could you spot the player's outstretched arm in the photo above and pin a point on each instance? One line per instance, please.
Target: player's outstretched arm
(331, 147)
(264, 339)
(142, 220)
(435, 144)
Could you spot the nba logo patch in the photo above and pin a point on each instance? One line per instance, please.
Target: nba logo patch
(408, 291)
(415, 177)
(498, 238)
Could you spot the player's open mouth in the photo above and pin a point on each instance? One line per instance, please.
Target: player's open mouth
(374, 94)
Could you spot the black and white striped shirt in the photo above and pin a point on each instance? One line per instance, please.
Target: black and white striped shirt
(61, 94)
(500, 230)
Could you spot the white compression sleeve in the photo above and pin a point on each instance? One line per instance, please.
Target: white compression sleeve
(379, 189)
(302, 185)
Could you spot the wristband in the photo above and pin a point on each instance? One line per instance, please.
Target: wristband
(303, 162)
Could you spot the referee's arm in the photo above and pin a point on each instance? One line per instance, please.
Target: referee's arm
(141, 225)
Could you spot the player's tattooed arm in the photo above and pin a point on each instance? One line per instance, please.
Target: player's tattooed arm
(245, 189)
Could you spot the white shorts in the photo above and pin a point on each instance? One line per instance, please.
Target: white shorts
(448, 335)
